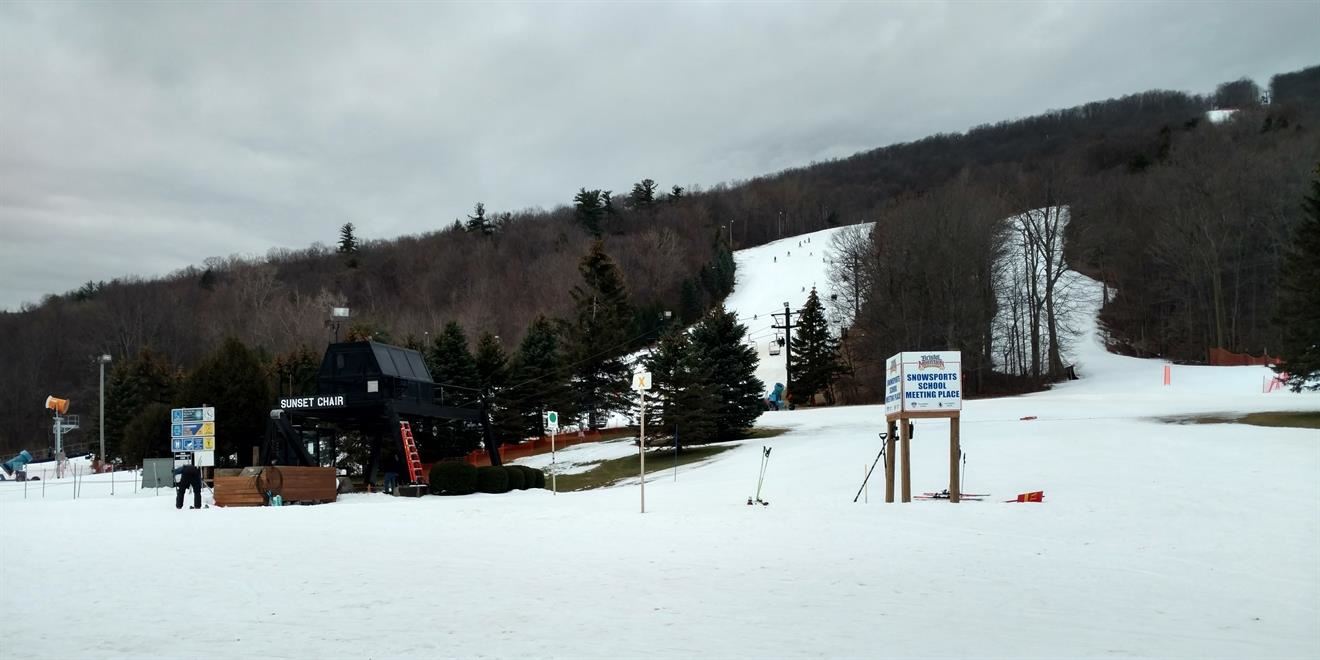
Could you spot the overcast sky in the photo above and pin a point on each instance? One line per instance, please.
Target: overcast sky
(141, 138)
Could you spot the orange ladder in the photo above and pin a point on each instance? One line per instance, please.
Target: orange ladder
(410, 454)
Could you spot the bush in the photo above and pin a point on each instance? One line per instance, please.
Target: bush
(540, 478)
(530, 475)
(517, 478)
(453, 478)
(492, 479)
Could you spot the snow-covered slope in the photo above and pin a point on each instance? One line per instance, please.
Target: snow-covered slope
(770, 275)
(1155, 540)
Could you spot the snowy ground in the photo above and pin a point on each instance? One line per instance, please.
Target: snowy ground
(580, 458)
(1155, 540)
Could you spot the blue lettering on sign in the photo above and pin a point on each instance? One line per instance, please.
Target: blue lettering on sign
(176, 415)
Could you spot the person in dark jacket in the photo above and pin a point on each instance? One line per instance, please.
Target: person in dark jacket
(189, 477)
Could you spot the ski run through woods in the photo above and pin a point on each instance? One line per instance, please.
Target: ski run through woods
(1155, 539)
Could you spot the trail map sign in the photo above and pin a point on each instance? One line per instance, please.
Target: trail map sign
(923, 381)
(551, 421)
(192, 429)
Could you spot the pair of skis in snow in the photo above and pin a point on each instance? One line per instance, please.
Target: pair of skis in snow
(760, 479)
(944, 495)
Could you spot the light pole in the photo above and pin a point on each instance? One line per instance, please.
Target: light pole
(337, 314)
(103, 360)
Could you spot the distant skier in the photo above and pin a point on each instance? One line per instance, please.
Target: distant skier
(189, 477)
(776, 399)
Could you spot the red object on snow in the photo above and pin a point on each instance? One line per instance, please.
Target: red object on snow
(1033, 496)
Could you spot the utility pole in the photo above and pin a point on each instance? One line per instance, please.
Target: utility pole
(787, 327)
(102, 360)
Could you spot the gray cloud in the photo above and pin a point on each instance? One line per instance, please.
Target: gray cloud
(141, 138)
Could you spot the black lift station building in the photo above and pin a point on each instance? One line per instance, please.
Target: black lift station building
(383, 392)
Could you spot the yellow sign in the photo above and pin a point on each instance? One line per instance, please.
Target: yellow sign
(208, 443)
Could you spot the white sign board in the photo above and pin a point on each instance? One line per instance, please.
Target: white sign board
(894, 384)
(923, 381)
(641, 380)
(204, 458)
(552, 421)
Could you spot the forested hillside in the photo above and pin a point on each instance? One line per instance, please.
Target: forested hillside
(1184, 218)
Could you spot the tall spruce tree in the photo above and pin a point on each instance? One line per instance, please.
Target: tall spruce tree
(348, 244)
(720, 343)
(133, 385)
(816, 361)
(147, 435)
(539, 378)
(454, 369)
(642, 196)
(234, 381)
(589, 209)
(599, 336)
(683, 403)
(493, 371)
(451, 363)
(478, 223)
(1299, 299)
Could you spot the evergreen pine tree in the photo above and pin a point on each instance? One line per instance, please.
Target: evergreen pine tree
(348, 245)
(539, 378)
(453, 368)
(477, 222)
(451, 363)
(599, 336)
(816, 360)
(691, 304)
(493, 371)
(131, 386)
(1299, 299)
(147, 435)
(233, 380)
(675, 193)
(720, 343)
(683, 399)
(643, 195)
(590, 210)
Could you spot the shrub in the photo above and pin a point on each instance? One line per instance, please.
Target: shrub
(453, 478)
(529, 476)
(517, 478)
(492, 479)
(540, 478)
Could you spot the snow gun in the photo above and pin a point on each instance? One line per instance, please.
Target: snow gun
(15, 465)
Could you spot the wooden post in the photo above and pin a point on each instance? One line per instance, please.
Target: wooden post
(907, 458)
(955, 456)
(890, 441)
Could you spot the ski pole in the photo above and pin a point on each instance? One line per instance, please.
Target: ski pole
(760, 474)
(873, 464)
(765, 461)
